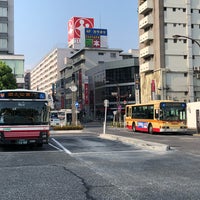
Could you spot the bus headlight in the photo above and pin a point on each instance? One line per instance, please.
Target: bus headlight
(43, 134)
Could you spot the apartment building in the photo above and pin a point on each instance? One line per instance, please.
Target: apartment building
(14, 61)
(45, 75)
(169, 34)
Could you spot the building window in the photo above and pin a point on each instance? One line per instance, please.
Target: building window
(174, 25)
(3, 43)
(100, 62)
(184, 9)
(185, 74)
(185, 56)
(165, 8)
(174, 9)
(166, 40)
(193, 57)
(191, 10)
(100, 54)
(3, 12)
(175, 40)
(192, 25)
(113, 55)
(3, 28)
(184, 41)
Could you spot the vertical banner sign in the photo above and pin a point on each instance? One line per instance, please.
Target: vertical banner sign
(80, 87)
(86, 94)
(153, 89)
(137, 88)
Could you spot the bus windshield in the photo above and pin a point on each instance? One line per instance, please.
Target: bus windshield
(173, 111)
(24, 113)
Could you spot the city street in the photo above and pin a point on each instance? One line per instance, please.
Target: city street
(85, 166)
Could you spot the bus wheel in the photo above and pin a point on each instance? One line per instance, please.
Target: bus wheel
(133, 127)
(150, 129)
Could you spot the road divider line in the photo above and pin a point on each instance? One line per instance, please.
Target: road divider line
(62, 147)
(55, 147)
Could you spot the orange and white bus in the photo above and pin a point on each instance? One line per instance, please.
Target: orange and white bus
(156, 117)
(24, 117)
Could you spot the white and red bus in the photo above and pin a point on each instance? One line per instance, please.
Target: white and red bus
(24, 117)
(157, 116)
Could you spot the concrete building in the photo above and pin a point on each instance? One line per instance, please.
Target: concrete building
(75, 70)
(14, 61)
(45, 75)
(6, 27)
(169, 66)
(114, 81)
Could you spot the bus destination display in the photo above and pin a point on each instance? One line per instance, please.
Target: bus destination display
(22, 95)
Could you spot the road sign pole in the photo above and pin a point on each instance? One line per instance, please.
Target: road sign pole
(106, 104)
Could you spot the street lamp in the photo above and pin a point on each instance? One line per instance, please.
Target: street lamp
(74, 88)
(190, 68)
(182, 36)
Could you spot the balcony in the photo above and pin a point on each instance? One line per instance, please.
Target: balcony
(147, 51)
(146, 36)
(148, 66)
(145, 22)
(145, 7)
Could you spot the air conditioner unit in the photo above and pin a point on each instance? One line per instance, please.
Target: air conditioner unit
(198, 76)
(195, 69)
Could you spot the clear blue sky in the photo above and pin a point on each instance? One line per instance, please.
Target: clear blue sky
(41, 25)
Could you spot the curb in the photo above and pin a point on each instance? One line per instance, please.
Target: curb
(139, 143)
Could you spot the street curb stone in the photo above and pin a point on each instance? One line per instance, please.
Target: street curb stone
(137, 142)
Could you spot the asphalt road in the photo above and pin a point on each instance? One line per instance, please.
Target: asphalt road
(85, 166)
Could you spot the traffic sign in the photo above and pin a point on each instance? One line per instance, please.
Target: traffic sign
(77, 104)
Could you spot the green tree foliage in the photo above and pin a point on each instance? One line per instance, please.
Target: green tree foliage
(7, 78)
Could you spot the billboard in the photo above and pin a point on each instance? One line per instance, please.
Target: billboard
(94, 38)
(75, 25)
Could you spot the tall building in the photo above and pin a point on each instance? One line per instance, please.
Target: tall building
(169, 51)
(6, 27)
(46, 73)
(15, 62)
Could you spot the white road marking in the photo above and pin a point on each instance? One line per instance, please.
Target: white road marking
(61, 146)
(55, 147)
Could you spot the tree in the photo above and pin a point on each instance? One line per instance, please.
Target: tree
(7, 78)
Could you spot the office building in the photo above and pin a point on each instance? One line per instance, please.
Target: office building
(14, 61)
(169, 64)
(75, 70)
(115, 82)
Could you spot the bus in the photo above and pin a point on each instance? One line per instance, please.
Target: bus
(24, 117)
(61, 117)
(156, 117)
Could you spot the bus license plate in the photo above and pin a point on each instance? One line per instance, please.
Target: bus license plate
(22, 141)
